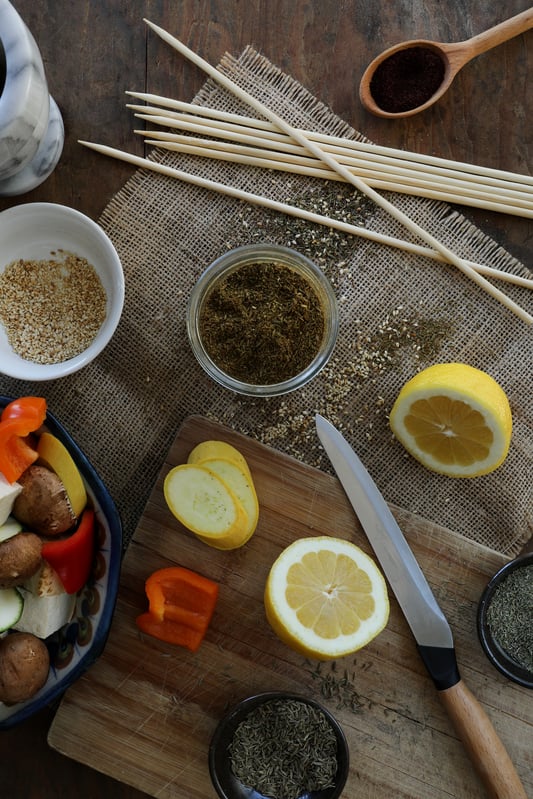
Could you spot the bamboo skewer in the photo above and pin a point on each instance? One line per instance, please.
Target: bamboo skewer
(489, 189)
(281, 144)
(251, 136)
(435, 189)
(336, 166)
(296, 154)
(369, 149)
(290, 210)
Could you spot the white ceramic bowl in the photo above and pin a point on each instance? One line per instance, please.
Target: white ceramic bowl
(31, 232)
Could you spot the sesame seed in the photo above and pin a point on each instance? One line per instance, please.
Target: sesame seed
(51, 309)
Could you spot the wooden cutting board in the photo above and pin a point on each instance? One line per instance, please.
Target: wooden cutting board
(145, 712)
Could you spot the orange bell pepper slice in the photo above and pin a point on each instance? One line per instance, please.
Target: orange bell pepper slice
(181, 605)
(19, 418)
(26, 408)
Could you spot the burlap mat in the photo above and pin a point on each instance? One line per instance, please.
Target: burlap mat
(398, 313)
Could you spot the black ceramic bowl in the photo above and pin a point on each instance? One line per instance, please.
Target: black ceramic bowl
(495, 653)
(228, 786)
(77, 645)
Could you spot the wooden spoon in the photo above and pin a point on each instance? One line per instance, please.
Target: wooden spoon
(454, 56)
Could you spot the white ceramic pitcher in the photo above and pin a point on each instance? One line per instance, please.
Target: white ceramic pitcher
(31, 126)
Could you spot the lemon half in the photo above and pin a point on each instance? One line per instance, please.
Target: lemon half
(325, 597)
(454, 419)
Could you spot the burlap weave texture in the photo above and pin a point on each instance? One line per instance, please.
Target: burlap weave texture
(399, 312)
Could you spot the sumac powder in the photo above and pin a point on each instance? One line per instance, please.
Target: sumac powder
(407, 79)
(263, 323)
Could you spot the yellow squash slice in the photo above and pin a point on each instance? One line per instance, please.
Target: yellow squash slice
(55, 456)
(206, 505)
(212, 449)
(241, 484)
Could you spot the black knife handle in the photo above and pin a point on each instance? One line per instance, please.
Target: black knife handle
(441, 664)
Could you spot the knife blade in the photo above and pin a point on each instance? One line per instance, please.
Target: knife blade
(426, 620)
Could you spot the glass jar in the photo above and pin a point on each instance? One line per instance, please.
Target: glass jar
(305, 273)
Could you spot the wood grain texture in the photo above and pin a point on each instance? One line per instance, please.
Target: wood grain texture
(145, 713)
(94, 51)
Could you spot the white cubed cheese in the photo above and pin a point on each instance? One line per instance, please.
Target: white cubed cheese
(8, 494)
(47, 606)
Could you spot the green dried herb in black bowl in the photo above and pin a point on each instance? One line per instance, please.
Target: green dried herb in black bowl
(505, 620)
(279, 746)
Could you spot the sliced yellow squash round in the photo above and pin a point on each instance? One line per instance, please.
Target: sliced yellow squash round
(213, 449)
(241, 484)
(206, 506)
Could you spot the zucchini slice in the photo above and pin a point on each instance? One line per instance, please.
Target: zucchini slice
(11, 606)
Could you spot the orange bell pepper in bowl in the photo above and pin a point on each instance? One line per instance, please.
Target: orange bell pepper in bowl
(19, 418)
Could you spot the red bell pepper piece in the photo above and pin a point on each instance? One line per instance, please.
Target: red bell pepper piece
(19, 418)
(72, 557)
(181, 604)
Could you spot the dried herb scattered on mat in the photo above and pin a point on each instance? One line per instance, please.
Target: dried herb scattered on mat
(327, 247)
(262, 324)
(283, 748)
(510, 616)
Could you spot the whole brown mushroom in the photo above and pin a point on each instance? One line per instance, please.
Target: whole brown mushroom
(43, 504)
(24, 667)
(20, 559)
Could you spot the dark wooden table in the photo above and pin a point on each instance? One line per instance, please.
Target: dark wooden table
(94, 51)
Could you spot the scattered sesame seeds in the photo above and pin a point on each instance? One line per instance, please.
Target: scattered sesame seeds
(354, 388)
(350, 392)
(327, 247)
(51, 309)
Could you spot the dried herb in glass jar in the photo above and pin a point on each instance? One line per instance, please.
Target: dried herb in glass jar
(510, 616)
(407, 79)
(263, 323)
(284, 748)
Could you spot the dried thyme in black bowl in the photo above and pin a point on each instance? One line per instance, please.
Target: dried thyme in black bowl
(280, 746)
(505, 620)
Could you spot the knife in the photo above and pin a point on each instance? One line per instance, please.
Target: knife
(428, 624)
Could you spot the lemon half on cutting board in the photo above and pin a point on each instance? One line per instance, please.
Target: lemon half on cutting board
(325, 597)
(454, 419)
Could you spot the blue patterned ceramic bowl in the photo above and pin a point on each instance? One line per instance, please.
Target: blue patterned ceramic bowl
(79, 643)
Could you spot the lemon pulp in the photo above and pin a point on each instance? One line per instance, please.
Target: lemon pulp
(325, 597)
(454, 419)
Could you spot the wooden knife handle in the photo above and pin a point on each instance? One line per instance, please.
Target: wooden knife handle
(481, 741)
